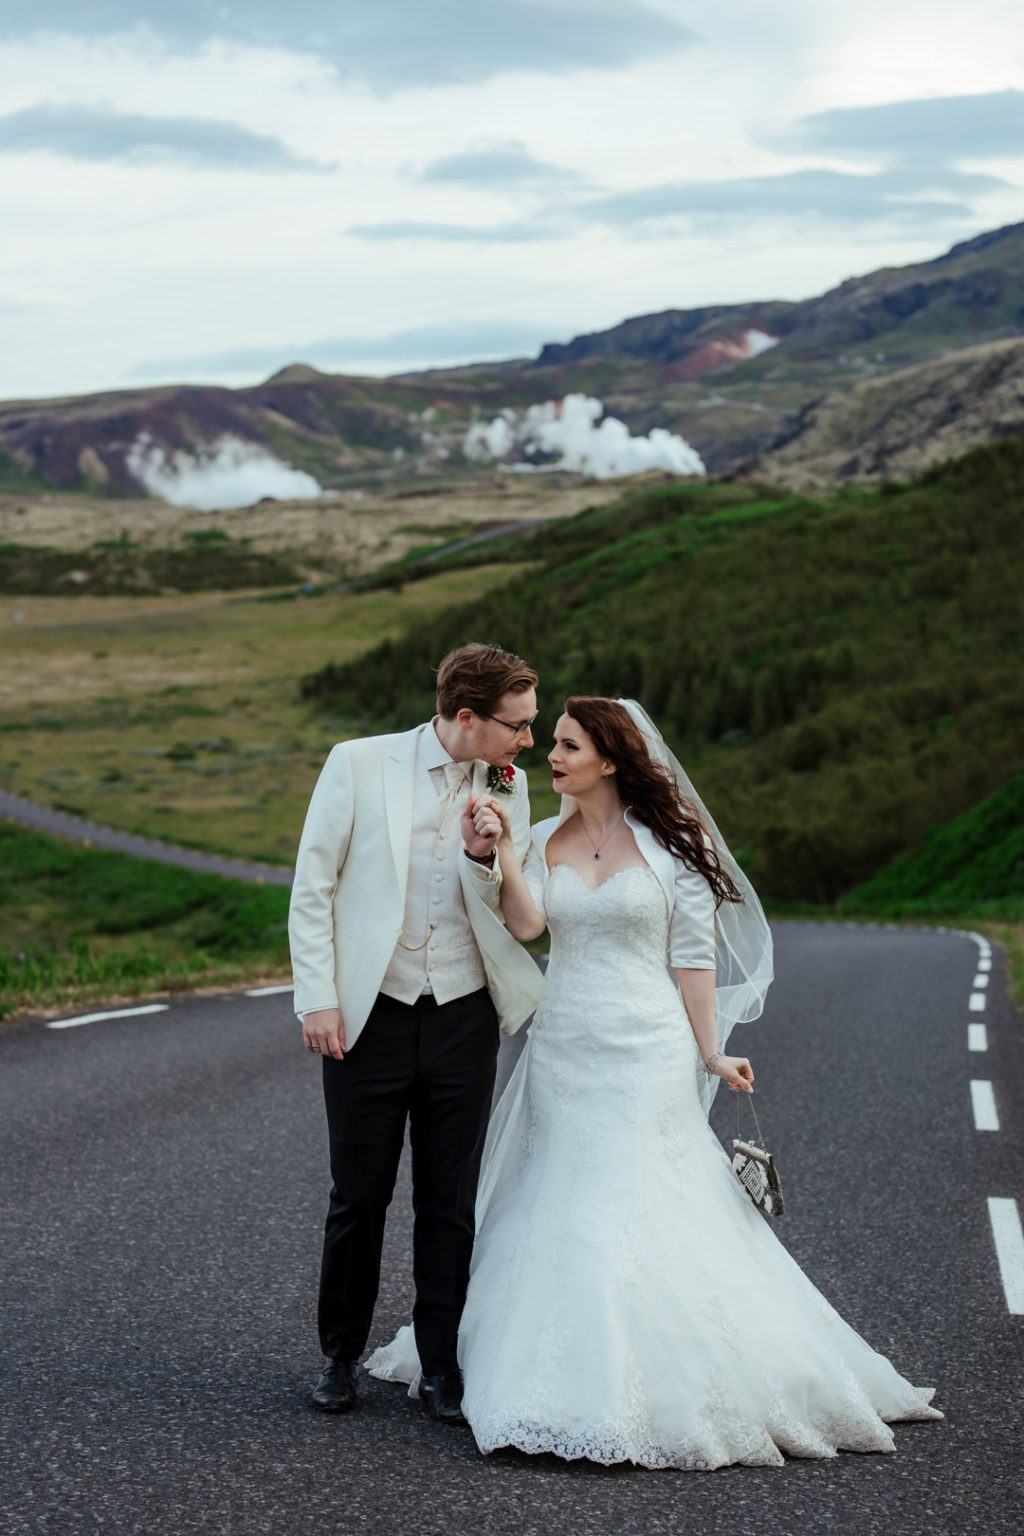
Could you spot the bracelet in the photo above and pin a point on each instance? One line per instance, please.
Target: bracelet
(709, 1065)
(481, 858)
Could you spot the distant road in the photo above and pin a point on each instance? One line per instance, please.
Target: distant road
(523, 526)
(80, 830)
(163, 1181)
(481, 538)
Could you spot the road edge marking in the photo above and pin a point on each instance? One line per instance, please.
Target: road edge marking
(1009, 1240)
(115, 1013)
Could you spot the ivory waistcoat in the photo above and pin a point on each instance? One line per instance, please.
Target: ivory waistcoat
(437, 951)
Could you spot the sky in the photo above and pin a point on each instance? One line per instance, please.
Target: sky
(208, 190)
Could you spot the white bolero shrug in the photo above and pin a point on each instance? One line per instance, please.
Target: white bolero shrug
(691, 902)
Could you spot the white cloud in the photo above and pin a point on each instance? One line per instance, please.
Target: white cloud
(89, 131)
(228, 474)
(166, 261)
(575, 434)
(387, 47)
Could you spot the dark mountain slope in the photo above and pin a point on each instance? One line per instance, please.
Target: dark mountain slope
(975, 291)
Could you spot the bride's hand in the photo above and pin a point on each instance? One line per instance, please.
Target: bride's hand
(734, 1070)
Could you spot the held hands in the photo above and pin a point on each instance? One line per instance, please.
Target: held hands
(324, 1033)
(484, 821)
(734, 1070)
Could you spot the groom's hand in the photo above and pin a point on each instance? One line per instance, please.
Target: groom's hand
(324, 1033)
(481, 826)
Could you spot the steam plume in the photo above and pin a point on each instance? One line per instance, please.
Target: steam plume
(231, 473)
(570, 434)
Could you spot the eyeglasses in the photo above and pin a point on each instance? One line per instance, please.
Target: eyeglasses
(517, 730)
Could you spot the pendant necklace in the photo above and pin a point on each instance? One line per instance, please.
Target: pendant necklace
(598, 846)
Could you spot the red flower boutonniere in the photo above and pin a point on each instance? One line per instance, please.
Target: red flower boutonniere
(501, 781)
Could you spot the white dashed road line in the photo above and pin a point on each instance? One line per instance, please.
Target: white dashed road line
(117, 1013)
(983, 1102)
(1009, 1241)
(1002, 1212)
(268, 991)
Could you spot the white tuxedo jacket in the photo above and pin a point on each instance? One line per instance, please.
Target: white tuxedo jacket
(351, 871)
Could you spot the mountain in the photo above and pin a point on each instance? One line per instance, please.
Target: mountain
(738, 381)
(974, 292)
(898, 425)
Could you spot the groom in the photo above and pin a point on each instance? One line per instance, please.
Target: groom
(404, 973)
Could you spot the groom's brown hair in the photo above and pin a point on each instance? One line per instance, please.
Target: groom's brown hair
(477, 676)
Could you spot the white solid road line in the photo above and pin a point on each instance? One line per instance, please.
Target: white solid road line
(977, 1037)
(983, 1102)
(1009, 1241)
(268, 991)
(976, 1002)
(117, 1013)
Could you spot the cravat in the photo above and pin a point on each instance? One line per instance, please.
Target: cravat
(455, 776)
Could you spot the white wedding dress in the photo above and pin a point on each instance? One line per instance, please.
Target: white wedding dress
(627, 1301)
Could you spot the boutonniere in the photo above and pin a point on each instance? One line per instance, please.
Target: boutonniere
(501, 781)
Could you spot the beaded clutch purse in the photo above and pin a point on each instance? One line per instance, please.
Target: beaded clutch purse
(755, 1167)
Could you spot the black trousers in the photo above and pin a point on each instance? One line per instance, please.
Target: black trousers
(433, 1066)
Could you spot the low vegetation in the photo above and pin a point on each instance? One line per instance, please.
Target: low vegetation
(82, 924)
(968, 872)
(206, 561)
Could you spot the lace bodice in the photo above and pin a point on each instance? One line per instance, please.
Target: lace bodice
(623, 921)
(608, 970)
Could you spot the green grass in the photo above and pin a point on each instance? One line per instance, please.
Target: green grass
(81, 925)
(973, 864)
(968, 873)
(209, 561)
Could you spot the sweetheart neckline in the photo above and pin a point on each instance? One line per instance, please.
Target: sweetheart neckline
(630, 869)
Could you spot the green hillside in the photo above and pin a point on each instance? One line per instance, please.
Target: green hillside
(840, 673)
(971, 865)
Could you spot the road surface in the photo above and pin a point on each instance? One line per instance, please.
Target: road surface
(163, 1180)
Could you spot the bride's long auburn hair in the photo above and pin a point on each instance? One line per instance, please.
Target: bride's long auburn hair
(650, 791)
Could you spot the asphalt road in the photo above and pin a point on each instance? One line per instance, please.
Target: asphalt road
(162, 1188)
(77, 829)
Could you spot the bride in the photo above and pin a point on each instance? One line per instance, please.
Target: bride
(627, 1301)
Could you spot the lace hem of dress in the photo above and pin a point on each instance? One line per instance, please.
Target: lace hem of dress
(744, 1447)
(397, 1361)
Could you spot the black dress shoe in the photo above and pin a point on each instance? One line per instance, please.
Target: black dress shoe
(338, 1387)
(441, 1397)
